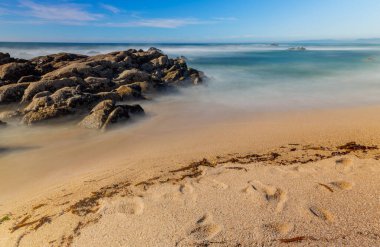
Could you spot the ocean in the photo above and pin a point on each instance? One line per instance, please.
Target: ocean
(261, 76)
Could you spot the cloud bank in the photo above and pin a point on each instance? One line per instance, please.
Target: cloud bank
(37, 13)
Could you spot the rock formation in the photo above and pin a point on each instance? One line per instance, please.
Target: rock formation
(58, 85)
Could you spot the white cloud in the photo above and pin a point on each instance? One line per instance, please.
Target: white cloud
(110, 8)
(58, 12)
(157, 23)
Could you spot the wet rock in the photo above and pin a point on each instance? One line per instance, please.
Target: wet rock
(196, 76)
(14, 71)
(12, 92)
(2, 124)
(5, 58)
(134, 109)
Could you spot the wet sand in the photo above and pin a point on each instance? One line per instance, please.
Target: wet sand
(113, 183)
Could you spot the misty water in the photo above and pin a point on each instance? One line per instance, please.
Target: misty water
(260, 76)
(244, 79)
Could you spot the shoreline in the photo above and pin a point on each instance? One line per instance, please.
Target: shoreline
(259, 133)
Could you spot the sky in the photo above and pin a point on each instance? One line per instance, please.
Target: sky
(187, 20)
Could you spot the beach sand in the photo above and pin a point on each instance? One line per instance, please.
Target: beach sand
(222, 178)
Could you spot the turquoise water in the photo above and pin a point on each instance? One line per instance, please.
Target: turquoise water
(260, 76)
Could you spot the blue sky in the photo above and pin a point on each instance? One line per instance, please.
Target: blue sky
(187, 20)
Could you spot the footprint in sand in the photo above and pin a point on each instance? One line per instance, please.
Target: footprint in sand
(205, 232)
(272, 195)
(322, 213)
(343, 185)
(205, 229)
(279, 228)
(204, 219)
(132, 206)
(344, 165)
(186, 189)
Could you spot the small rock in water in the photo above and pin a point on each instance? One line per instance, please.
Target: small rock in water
(2, 124)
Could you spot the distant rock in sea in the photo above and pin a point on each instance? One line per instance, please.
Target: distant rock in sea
(58, 85)
(298, 48)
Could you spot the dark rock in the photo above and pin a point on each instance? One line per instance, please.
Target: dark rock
(2, 124)
(147, 67)
(14, 71)
(28, 78)
(116, 116)
(12, 92)
(134, 109)
(42, 94)
(5, 58)
(99, 84)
